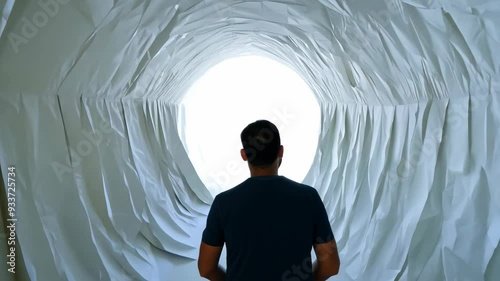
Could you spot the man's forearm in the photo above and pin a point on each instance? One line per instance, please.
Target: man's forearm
(218, 274)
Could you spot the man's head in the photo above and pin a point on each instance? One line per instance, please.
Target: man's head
(261, 144)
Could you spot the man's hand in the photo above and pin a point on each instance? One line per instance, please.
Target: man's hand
(328, 262)
(208, 263)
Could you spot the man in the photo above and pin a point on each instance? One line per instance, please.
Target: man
(268, 222)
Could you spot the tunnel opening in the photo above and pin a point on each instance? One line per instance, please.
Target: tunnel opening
(234, 93)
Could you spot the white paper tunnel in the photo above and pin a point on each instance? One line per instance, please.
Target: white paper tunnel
(92, 118)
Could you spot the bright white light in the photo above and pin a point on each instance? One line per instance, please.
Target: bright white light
(240, 91)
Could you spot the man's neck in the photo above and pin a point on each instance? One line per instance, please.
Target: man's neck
(258, 172)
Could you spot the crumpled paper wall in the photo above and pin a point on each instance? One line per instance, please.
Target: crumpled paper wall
(407, 164)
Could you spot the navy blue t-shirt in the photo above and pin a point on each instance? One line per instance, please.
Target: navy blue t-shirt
(269, 224)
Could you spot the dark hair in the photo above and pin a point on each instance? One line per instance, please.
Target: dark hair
(261, 142)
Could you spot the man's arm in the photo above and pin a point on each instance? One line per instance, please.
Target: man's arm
(208, 263)
(211, 246)
(325, 246)
(328, 261)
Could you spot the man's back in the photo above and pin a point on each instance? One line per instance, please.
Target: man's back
(269, 224)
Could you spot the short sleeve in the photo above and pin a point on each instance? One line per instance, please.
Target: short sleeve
(213, 234)
(322, 232)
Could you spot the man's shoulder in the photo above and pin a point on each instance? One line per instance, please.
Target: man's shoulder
(291, 185)
(299, 186)
(230, 192)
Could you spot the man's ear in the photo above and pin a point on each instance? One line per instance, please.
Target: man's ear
(243, 155)
(280, 156)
